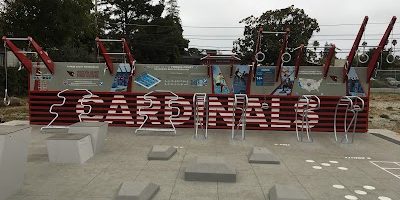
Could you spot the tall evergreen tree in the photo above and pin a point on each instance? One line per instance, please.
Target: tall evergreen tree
(154, 38)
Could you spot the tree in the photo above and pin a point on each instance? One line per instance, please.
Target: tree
(301, 29)
(154, 38)
(55, 24)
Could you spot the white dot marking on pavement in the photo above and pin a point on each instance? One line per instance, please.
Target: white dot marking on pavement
(351, 197)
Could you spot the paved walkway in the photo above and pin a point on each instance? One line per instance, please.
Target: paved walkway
(324, 169)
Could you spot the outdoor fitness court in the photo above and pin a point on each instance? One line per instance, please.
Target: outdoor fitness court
(324, 169)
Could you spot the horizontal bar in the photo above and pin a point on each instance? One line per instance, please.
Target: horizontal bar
(28, 52)
(110, 40)
(21, 39)
(271, 32)
(116, 53)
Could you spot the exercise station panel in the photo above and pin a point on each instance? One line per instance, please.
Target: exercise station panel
(176, 78)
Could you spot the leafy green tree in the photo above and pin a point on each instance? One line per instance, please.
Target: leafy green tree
(301, 29)
(55, 24)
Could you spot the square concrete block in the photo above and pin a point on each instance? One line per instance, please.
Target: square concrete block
(212, 169)
(287, 192)
(97, 131)
(137, 191)
(161, 152)
(69, 148)
(14, 141)
(262, 155)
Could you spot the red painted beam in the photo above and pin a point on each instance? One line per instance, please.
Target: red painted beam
(43, 55)
(279, 60)
(354, 49)
(106, 57)
(299, 57)
(129, 56)
(328, 61)
(375, 56)
(26, 62)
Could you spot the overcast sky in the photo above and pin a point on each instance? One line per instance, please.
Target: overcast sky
(230, 12)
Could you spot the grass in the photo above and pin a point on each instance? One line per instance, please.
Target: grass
(10, 113)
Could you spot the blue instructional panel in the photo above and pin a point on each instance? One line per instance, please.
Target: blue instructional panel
(121, 79)
(265, 76)
(241, 79)
(147, 80)
(221, 86)
(287, 81)
(353, 84)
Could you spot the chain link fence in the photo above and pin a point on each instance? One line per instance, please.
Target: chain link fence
(386, 79)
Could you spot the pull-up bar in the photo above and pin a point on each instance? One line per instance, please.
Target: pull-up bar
(109, 40)
(271, 32)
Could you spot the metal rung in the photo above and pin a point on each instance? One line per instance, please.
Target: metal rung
(308, 100)
(243, 101)
(200, 101)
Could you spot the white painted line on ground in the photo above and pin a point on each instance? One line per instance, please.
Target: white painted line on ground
(385, 169)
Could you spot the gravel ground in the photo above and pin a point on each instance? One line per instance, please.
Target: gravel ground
(385, 112)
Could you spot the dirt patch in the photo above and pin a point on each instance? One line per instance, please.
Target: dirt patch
(385, 112)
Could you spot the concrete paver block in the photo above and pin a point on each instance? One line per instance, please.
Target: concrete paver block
(14, 142)
(161, 152)
(209, 168)
(287, 192)
(137, 191)
(97, 130)
(69, 148)
(262, 155)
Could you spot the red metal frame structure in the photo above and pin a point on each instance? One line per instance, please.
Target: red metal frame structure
(299, 57)
(26, 62)
(328, 61)
(258, 48)
(353, 51)
(375, 56)
(281, 52)
(106, 55)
